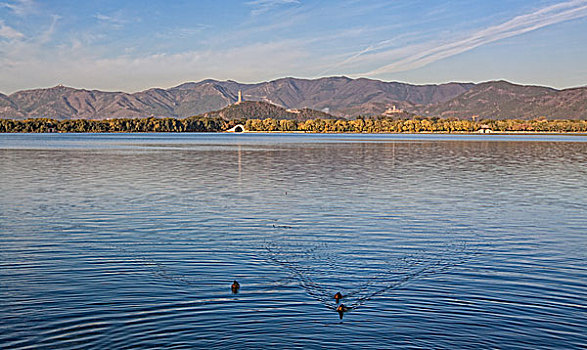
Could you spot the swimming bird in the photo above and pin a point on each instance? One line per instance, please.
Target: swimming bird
(235, 287)
(337, 297)
(341, 309)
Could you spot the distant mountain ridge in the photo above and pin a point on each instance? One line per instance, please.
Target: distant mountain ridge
(338, 96)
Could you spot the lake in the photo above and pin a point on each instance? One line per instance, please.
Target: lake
(435, 241)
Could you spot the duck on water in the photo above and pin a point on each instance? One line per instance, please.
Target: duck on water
(341, 309)
(235, 287)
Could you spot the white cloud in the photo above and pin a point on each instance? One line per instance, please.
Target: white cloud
(417, 56)
(21, 7)
(9, 32)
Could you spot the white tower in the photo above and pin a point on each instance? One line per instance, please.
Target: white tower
(240, 97)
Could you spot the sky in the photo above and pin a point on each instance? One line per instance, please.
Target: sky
(134, 45)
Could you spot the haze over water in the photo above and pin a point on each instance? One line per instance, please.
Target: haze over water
(445, 242)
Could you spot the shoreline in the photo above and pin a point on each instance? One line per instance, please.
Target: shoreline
(496, 133)
(413, 133)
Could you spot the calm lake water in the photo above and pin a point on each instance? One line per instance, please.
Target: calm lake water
(113, 241)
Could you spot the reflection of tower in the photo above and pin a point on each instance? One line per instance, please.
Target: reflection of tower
(240, 97)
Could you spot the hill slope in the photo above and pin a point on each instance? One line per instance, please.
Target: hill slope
(263, 110)
(502, 100)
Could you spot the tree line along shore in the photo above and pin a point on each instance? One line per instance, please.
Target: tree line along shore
(358, 125)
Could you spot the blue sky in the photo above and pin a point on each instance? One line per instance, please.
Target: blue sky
(137, 44)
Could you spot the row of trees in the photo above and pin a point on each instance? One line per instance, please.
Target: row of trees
(414, 125)
(114, 125)
(539, 125)
(359, 125)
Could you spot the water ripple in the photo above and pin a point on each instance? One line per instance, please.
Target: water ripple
(133, 241)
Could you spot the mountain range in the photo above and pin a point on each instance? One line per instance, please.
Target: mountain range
(338, 96)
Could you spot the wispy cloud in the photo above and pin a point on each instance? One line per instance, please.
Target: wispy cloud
(262, 6)
(184, 32)
(132, 72)
(421, 56)
(361, 36)
(116, 20)
(20, 48)
(46, 35)
(9, 32)
(385, 44)
(20, 7)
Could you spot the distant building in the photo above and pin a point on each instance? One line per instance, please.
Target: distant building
(240, 97)
(392, 111)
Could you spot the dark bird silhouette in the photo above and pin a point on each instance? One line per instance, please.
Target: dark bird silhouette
(235, 287)
(341, 309)
(337, 297)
